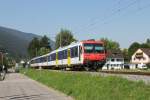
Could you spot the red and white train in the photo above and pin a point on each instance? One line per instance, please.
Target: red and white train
(88, 54)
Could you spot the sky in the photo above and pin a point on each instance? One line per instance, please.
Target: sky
(124, 21)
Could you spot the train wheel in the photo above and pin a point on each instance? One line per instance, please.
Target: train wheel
(87, 68)
(63, 68)
(98, 69)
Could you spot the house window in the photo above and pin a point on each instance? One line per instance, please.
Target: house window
(112, 60)
(119, 59)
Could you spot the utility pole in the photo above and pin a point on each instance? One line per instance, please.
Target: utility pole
(1, 54)
(36, 52)
(2, 59)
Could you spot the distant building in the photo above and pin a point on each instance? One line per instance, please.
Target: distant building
(114, 60)
(141, 57)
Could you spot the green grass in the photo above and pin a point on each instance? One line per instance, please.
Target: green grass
(83, 86)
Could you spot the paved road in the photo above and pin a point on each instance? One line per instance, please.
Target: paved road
(19, 87)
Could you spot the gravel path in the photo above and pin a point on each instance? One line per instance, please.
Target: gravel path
(144, 78)
(18, 87)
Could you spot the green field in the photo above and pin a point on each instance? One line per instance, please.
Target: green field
(83, 86)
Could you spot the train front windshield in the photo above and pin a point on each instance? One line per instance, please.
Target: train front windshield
(93, 48)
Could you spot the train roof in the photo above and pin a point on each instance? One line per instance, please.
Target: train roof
(92, 41)
(66, 47)
(59, 49)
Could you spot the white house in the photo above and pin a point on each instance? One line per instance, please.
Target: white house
(141, 57)
(114, 60)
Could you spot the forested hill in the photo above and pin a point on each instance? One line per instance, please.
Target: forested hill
(15, 42)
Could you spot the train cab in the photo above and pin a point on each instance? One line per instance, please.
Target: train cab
(93, 52)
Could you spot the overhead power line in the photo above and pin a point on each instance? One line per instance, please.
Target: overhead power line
(114, 12)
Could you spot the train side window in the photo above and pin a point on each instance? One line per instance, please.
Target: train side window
(45, 59)
(60, 55)
(41, 59)
(38, 60)
(50, 58)
(76, 51)
(53, 56)
(72, 52)
(65, 54)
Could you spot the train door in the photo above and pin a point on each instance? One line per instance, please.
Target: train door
(56, 59)
(69, 59)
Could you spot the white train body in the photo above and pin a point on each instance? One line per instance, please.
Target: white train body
(71, 55)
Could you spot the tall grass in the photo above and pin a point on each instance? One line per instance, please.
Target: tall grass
(83, 86)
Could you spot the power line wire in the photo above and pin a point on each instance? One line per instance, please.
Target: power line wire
(133, 12)
(115, 12)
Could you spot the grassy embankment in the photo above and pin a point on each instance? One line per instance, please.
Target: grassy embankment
(83, 86)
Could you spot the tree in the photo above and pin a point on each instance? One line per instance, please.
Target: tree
(133, 47)
(33, 47)
(39, 47)
(43, 51)
(110, 44)
(44, 45)
(125, 55)
(45, 42)
(64, 38)
(144, 45)
(148, 42)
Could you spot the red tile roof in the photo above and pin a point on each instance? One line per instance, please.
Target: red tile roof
(114, 54)
(146, 51)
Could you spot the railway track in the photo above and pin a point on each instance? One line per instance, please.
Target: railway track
(133, 75)
(127, 72)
